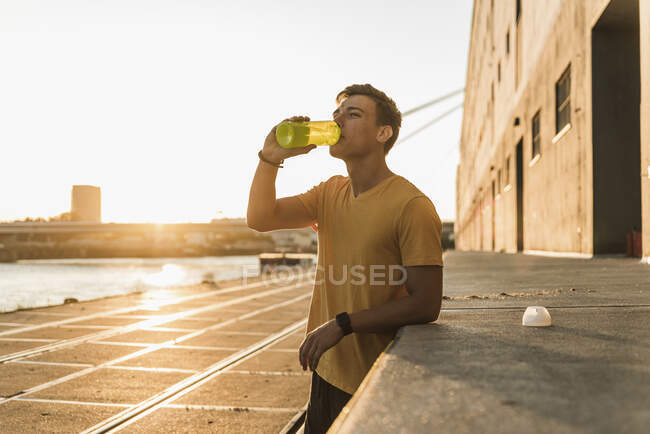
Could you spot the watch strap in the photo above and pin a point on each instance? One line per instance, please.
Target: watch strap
(343, 320)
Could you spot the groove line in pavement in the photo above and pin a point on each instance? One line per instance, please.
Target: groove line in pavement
(175, 406)
(154, 369)
(123, 344)
(279, 373)
(230, 408)
(62, 401)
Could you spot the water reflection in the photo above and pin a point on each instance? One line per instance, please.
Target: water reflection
(171, 274)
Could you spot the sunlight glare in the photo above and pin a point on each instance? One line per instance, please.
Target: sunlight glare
(170, 275)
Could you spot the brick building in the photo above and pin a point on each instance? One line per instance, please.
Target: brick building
(555, 142)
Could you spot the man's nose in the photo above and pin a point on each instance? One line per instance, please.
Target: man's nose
(339, 119)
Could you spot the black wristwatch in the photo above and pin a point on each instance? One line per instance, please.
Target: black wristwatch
(343, 320)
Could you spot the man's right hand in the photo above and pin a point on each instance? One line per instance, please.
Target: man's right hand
(265, 213)
(272, 150)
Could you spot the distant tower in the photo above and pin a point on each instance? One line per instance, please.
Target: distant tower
(86, 204)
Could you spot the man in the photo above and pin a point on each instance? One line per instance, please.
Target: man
(379, 253)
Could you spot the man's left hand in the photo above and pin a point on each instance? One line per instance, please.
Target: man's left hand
(317, 342)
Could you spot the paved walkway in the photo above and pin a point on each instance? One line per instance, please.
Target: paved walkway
(194, 359)
(477, 369)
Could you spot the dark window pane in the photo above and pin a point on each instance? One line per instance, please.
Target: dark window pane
(536, 131)
(563, 89)
(563, 117)
(562, 100)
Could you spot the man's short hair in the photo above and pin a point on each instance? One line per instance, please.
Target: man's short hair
(387, 112)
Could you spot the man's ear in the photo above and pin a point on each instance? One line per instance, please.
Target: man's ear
(385, 133)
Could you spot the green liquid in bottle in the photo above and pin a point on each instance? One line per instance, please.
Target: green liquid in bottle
(301, 134)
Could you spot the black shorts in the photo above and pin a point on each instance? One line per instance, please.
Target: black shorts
(325, 404)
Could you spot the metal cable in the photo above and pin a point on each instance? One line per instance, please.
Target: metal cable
(432, 102)
(431, 122)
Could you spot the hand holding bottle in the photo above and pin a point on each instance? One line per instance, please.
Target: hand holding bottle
(272, 150)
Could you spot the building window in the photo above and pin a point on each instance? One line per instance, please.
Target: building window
(563, 100)
(536, 138)
(499, 72)
(518, 12)
(499, 181)
(508, 42)
(508, 170)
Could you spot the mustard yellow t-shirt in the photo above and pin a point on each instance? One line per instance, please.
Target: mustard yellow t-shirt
(361, 242)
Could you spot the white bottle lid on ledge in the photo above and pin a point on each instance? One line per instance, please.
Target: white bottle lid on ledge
(536, 316)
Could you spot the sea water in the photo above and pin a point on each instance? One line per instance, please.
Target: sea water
(38, 283)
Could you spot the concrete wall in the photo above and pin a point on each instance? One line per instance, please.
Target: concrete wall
(644, 14)
(548, 39)
(558, 186)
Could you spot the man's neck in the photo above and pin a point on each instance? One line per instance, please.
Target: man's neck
(367, 172)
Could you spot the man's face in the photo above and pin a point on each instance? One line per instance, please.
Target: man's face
(356, 116)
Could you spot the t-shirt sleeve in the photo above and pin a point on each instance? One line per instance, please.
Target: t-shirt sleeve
(419, 232)
(311, 199)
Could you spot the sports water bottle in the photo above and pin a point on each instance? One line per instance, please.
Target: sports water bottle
(300, 134)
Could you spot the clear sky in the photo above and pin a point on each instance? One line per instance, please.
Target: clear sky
(164, 104)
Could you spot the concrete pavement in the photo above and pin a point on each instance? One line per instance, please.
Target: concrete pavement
(114, 354)
(477, 369)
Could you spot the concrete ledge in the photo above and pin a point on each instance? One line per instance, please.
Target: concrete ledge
(482, 371)
(552, 254)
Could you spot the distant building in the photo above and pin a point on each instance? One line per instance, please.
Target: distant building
(447, 235)
(555, 142)
(300, 240)
(86, 204)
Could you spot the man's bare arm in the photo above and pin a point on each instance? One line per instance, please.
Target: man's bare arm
(265, 213)
(422, 305)
(424, 285)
